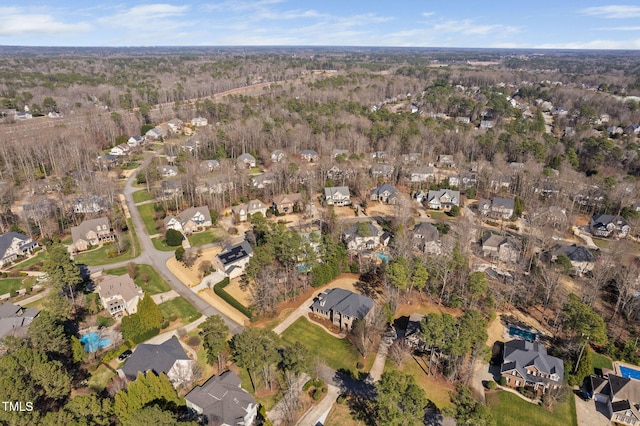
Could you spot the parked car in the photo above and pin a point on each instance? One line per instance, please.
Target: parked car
(124, 355)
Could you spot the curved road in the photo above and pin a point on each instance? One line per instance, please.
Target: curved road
(158, 259)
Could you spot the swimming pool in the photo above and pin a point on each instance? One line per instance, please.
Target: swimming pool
(629, 373)
(384, 257)
(526, 335)
(92, 342)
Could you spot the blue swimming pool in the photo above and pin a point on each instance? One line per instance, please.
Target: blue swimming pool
(384, 257)
(518, 332)
(629, 373)
(92, 342)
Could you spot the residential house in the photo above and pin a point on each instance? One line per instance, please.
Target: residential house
(155, 134)
(366, 235)
(426, 238)
(342, 307)
(463, 120)
(384, 171)
(411, 158)
(119, 295)
(287, 203)
(454, 181)
(445, 162)
(210, 165)
(606, 225)
(168, 357)
(309, 155)
(278, 155)
(14, 244)
(413, 333)
(263, 180)
(246, 161)
(527, 364)
(171, 188)
(580, 257)
(467, 179)
(189, 221)
(191, 146)
(500, 181)
(168, 171)
(336, 172)
(621, 397)
(135, 141)
(335, 153)
(120, 150)
(337, 196)
(199, 122)
(91, 232)
(90, 204)
(107, 161)
(384, 193)
(420, 196)
(443, 199)
(487, 124)
(243, 211)
(497, 207)
(15, 320)
(500, 248)
(175, 125)
(222, 401)
(422, 174)
(234, 259)
(380, 156)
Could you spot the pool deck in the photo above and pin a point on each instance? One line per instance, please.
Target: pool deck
(618, 364)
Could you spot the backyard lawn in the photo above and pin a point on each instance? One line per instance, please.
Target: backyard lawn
(181, 308)
(510, 409)
(100, 256)
(159, 244)
(601, 361)
(205, 237)
(7, 285)
(336, 353)
(147, 213)
(25, 265)
(100, 378)
(142, 196)
(154, 285)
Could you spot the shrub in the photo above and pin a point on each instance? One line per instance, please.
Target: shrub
(359, 365)
(342, 399)
(194, 341)
(503, 381)
(13, 293)
(317, 394)
(180, 254)
(491, 385)
(173, 238)
(219, 290)
(104, 321)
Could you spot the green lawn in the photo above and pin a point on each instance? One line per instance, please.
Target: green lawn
(100, 378)
(509, 409)
(25, 265)
(601, 361)
(142, 196)
(181, 308)
(9, 284)
(436, 391)
(155, 284)
(205, 237)
(100, 256)
(134, 237)
(159, 244)
(147, 213)
(603, 244)
(336, 353)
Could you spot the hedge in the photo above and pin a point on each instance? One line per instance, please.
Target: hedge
(219, 290)
(145, 336)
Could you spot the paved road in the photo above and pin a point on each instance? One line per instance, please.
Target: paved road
(158, 259)
(318, 413)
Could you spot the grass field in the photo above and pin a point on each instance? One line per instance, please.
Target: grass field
(510, 409)
(25, 265)
(99, 256)
(155, 284)
(340, 415)
(336, 353)
(147, 213)
(601, 361)
(100, 378)
(7, 285)
(142, 196)
(181, 308)
(134, 237)
(204, 237)
(159, 244)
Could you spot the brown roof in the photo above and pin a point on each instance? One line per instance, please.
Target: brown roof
(119, 285)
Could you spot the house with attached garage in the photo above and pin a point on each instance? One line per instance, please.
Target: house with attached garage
(365, 235)
(527, 364)
(278, 155)
(246, 161)
(120, 150)
(168, 357)
(210, 165)
(581, 258)
(426, 238)
(287, 203)
(119, 294)
(89, 204)
(222, 401)
(343, 307)
(92, 232)
(168, 171)
(500, 248)
(497, 208)
(384, 193)
(620, 396)
(443, 199)
(445, 162)
(199, 122)
(606, 225)
(337, 196)
(189, 221)
(384, 171)
(234, 259)
(135, 141)
(309, 155)
(243, 211)
(422, 174)
(14, 244)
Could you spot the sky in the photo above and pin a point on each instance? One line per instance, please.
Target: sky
(557, 24)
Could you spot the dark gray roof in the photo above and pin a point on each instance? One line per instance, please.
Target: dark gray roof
(345, 302)
(374, 230)
(157, 358)
(232, 254)
(575, 253)
(508, 203)
(14, 320)
(7, 238)
(382, 188)
(221, 398)
(426, 231)
(519, 354)
(605, 219)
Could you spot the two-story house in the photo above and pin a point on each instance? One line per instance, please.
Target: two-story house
(384, 193)
(366, 235)
(243, 211)
(497, 208)
(606, 225)
(233, 259)
(119, 295)
(342, 307)
(426, 238)
(527, 364)
(92, 232)
(443, 199)
(14, 244)
(337, 196)
(189, 221)
(500, 248)
(287, 203)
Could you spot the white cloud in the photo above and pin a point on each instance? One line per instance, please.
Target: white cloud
(594, 44)
(613, 11)
(470, 27)
(427, 14)
(16, 21)
(145, 16)
(618, 28)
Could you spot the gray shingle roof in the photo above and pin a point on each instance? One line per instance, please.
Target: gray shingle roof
(575, 253)
(519, 354)
(345, 302)
(6, 240)
(157, 358)
(80, 232)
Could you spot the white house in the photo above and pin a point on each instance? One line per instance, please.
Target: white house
(119, 295)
